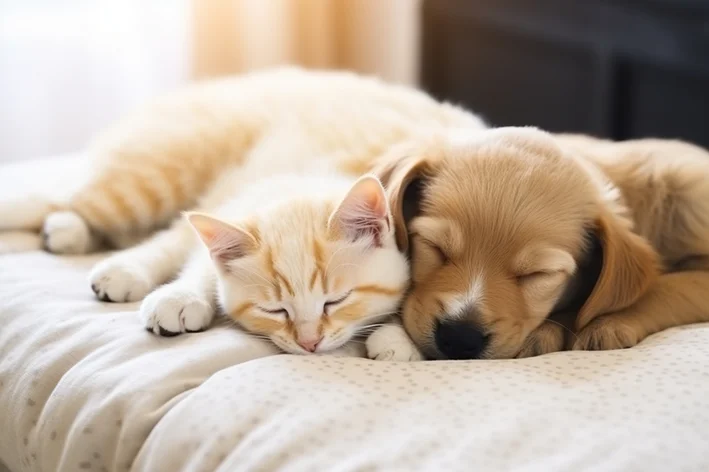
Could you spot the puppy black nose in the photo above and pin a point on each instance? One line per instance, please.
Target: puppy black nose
(460, 339)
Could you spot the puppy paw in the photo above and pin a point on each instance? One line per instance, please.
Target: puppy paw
(171, 310)
(391, 343)
(547, 337)
(606, 333)
(116, 280)
(65, 232)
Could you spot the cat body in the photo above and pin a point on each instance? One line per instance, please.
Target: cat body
(308, 261)
(198, 149)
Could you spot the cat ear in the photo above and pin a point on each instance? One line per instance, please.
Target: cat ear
(363, 213)
(224, 241)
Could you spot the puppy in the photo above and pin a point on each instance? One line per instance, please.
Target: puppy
(512, 228)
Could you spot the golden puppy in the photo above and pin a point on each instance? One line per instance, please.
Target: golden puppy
(513, 227)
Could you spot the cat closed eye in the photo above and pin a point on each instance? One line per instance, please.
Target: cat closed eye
(281, 311)
(337, 301)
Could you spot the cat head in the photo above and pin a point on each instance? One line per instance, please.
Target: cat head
(311, 273)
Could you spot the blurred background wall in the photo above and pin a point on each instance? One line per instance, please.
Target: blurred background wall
(69, 68)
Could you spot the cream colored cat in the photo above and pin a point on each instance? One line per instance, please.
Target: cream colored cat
(307, 261)
(203, 144)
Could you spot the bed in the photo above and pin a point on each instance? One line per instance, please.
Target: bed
(84, 387)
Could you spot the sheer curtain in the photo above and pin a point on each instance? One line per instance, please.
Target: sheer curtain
(371, 36)
(69, 68)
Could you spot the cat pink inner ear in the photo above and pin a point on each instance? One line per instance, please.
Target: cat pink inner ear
(224, 241)
(364, 212)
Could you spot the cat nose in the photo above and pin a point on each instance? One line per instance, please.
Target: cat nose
(310, 344)
(460, 339)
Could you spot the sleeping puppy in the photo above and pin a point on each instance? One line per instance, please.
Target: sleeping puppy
(512, 228)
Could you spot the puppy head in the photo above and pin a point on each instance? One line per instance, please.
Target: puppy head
(497, 224)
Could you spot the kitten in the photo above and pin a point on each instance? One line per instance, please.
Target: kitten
(308, 262)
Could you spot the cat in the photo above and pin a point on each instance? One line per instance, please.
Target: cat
(175, 154)
(308, 261)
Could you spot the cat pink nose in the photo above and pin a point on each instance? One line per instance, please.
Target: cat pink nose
(310, 344)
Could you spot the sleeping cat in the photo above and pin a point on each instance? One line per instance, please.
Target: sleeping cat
(308, 262)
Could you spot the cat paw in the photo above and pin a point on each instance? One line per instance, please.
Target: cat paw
(65, 232)
(391, 343)
(114, 280)
(606, 333)
(170, 311)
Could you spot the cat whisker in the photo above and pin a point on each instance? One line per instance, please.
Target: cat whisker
(380, 317)
(378, 325)
(368, 329)
(356, 266)
(265, 338)
(269, 283)
(260, 336)
(365, 334)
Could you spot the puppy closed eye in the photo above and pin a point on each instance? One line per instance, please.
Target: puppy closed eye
(544, 265)
(535, 276)
(541, 289)
(437, 250)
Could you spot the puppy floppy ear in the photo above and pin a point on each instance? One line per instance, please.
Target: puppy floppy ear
(630, 266)
(403, 175)
(404, 171)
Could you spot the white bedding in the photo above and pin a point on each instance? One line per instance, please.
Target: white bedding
(84, 387)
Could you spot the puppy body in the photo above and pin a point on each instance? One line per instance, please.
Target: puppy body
(664, 185)
(510, 229)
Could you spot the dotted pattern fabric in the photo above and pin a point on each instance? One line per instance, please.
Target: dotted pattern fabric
(84, 388)
(640, 409)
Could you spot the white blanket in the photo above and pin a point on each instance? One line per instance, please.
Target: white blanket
(84, 387)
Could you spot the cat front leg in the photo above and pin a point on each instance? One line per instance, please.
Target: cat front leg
(131, 274)
(186, 305)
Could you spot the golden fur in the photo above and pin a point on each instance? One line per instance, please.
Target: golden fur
(502, 232)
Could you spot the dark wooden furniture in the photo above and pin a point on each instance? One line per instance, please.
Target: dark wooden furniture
(613, 68)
